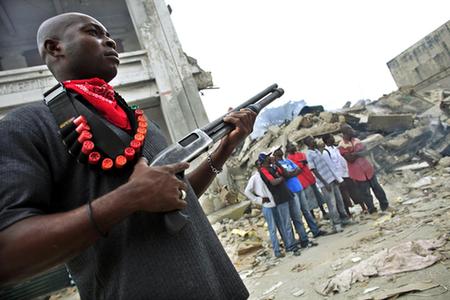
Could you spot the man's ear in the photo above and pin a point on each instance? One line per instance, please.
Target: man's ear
(53, 47)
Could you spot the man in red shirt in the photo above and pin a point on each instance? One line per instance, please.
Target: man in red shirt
(313, 196)
(361, 170)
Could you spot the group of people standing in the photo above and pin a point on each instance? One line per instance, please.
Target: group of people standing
(292, 185)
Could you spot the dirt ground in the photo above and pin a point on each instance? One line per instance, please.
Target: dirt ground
(426, 219)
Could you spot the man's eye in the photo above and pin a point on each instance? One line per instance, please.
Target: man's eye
(92, 32)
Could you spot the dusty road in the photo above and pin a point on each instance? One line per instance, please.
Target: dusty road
(421, 213)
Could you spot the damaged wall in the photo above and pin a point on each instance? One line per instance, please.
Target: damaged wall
(426, 64)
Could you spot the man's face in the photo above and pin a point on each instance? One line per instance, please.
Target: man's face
(266, 161)
(278, 154)
(88, 50)
(310, 142)
(290, 149)
(329, 141)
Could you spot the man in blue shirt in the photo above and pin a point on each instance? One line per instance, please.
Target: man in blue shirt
(290, 171)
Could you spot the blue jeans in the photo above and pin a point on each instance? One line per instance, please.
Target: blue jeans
(269, 216)
(335, 204)
(307, 214)
(283, 220)
(296, 216)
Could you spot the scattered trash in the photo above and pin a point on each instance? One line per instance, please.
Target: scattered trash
(394, 293)
(425, 181)
(407, 256)
(356, 259)
(371, 289)
(297, 292)
(299, 268)
(273, 288)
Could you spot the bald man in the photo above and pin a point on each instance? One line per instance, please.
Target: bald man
(74, 192)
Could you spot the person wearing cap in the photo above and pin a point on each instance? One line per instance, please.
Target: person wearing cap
(328, 181)
(104, 219)
(313, 197)
(361, 170)
(271, 176)
(290, 171)
(257, 191)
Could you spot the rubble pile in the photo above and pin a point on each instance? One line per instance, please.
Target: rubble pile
(403, 130)
(409, 145)
(246, 242)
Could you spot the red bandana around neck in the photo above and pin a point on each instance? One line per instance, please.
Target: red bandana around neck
(101, 95)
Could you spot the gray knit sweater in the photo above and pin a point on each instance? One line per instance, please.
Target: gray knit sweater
(138, 259)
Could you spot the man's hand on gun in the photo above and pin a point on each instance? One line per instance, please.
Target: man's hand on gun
(157, 189)
(243, 121)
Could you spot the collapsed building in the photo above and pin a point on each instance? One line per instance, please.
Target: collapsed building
(406, 131)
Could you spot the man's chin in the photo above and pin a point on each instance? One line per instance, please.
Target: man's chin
(109, 75)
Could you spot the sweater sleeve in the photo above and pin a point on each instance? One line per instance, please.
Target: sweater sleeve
(26, 180)
(250, 191)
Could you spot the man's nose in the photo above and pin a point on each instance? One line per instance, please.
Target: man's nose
(110, 43)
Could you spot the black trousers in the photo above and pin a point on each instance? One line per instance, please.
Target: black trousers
(365, 194)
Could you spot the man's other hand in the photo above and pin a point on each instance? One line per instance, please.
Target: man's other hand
(243, 121)
(157, 189)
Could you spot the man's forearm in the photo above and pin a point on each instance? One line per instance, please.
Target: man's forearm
(38, 243)
(202, 176)
(318, 176)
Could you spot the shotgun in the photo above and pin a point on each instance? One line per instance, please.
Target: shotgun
(199, 141)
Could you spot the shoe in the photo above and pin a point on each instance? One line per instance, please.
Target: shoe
(338, 228)
(280, 255)
(388, 209)
(326, 217)
(320, 233)
(297, 252)
(309, 244)
(347, 222)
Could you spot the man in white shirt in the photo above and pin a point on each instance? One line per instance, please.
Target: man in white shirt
(328, 180)
(346, 187)
(257, 191)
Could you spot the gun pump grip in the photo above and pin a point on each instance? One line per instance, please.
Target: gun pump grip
(175, 220)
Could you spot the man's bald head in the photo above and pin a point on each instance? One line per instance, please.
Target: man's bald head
(77, 46)
(55, 27)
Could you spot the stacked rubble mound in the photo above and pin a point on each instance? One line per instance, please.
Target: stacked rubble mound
(406, 133)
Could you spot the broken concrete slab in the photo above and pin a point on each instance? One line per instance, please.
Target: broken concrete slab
(445, 162)
(413, 167)
(231, 212)
(248, 247)
(390, 123)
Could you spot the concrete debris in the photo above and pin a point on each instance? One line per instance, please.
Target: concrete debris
(371, 289)
(298, 292)
(356, 259)
(248, 247)
(394, 293)
(390, 123)
(423, 182)
(273, 288)
(395, 129)
(407, 256)
(408, 141)
(445, 162)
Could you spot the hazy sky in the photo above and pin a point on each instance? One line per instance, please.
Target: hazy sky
(325, 52)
